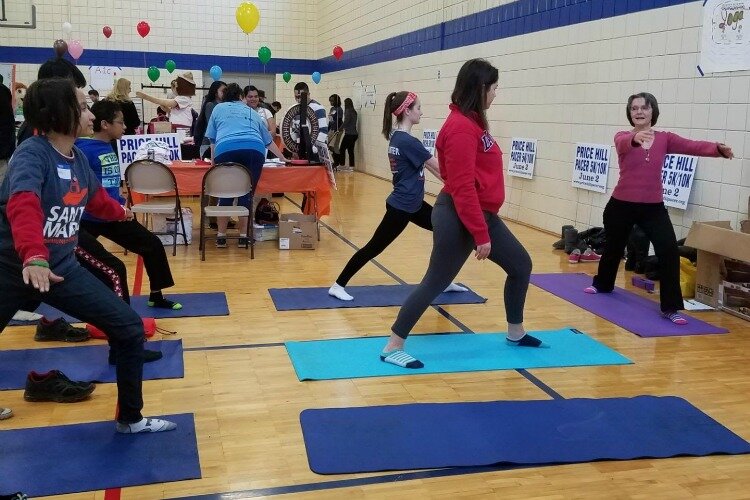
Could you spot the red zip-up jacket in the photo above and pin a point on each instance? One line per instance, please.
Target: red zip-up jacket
(471, 165)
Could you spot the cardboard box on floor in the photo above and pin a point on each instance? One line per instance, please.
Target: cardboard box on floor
(716, 242)
(298, 232)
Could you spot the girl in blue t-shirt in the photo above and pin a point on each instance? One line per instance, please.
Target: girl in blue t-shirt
(409, 159)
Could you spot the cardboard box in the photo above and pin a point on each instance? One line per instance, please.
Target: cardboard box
(298, 232)
(716, 242)
(265, 232)
(736, 299)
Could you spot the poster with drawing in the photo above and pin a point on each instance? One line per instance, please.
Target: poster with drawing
(725, 44)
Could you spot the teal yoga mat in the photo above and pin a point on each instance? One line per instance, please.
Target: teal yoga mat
(447, 353)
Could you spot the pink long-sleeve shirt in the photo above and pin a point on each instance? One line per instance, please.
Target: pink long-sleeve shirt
(640, 180)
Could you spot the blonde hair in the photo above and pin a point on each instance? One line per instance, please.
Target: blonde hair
(120, 91)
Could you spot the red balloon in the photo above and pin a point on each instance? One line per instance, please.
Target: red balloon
(143, 29)
(338, 52)
(107, 31)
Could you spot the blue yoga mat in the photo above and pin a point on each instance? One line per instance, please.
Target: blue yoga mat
(433, 435)
(44, 461)
(85, 363)
(447, 353)
(297, 299)
(193, 305)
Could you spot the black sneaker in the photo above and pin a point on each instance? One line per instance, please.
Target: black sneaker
(242, 242)
(59, 330)
(14, 496)
(55, 386)
(221, 242)
(148, 356)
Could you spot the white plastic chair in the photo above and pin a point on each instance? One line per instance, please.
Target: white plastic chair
(226, 180)
(152, 178)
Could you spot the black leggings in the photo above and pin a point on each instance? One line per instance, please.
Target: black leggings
(394, 222)
(347, 146)
(653, 218)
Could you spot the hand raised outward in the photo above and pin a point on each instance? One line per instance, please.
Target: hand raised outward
(725, 151)
(483, 251)
(646, 136)
(40, 277)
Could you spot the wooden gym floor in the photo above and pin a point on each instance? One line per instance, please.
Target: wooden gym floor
(247, 400)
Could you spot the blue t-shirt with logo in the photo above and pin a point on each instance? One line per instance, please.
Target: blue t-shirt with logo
(105, 165)
(407, 155)
(64, 187)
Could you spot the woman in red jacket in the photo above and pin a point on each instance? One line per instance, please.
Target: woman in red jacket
(464, 217)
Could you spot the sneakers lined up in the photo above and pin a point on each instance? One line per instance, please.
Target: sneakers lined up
(59, 330)
(587, 256)
(55, 386)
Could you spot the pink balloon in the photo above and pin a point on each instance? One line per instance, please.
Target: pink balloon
(75, 49)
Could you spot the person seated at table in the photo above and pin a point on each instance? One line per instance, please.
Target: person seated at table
(238, 134)
(161, 116)
(131, 235)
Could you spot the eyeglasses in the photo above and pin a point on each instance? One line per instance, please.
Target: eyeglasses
(635, 109)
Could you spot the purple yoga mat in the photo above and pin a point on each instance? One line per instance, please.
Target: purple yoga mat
(626, 309)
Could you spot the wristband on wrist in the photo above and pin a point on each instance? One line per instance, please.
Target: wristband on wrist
(37, 263)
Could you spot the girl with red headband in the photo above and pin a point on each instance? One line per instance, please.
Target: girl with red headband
(408, 158)
(465, 214)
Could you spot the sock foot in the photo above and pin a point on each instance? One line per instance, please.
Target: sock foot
(674, 317)
(339, 292)
(590, 289)
(525, 341)
(146, 425)
(453, 287)
(401, 358)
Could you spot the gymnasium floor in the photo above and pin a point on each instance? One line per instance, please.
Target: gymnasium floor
(246, 398)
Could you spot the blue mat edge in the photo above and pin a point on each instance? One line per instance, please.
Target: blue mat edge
(282, 309)
(196, 473)
(543, 464)
(170, 296)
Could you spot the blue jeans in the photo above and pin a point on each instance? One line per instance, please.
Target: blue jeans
(83, 296)
(253, 161)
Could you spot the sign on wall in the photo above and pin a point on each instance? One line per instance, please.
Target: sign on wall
(103, 77)
(677, 177)
(522, 158)
(429, 136)
(725, 44)
(128, 146)
(591, 167)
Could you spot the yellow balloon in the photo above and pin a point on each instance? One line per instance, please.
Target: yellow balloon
(247, 16)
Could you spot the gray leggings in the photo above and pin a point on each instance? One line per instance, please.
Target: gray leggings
(452, 245)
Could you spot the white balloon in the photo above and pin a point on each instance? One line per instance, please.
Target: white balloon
(67, 27)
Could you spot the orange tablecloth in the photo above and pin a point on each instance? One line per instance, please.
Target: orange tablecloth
(273, 180)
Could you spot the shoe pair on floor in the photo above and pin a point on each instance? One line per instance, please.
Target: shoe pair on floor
(587, 256)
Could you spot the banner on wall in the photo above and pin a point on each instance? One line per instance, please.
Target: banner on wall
(591, 167)
(429, 136)
(128, 146)
(725, 43)
(522, 157)
(103, 77)
(677, 177)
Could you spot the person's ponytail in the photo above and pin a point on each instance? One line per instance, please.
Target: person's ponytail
(388, 115)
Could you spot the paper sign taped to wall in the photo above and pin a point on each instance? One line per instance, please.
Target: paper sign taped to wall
(591, 166)
(522, 157)
(677, 175)
(725, 43)
(103, 77)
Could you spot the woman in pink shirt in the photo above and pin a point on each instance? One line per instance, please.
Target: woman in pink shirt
(638, 199)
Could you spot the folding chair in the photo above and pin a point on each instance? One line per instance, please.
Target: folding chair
(151, 178)
(226, 180)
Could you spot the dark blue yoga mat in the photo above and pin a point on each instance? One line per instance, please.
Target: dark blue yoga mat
(297, 299)
(433, 435)
(85, 363)
(193, 305)
(44, 461)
